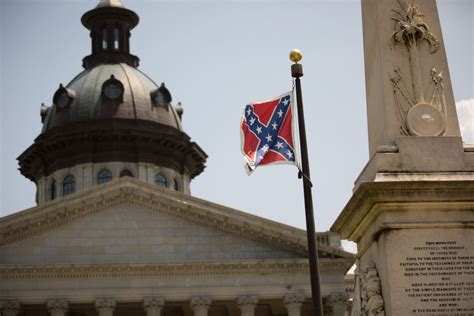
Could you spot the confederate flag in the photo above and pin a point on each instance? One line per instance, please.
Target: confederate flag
(267, 132)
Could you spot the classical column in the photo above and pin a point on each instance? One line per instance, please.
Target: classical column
(153, 305)
(247, 304)
(293, 303)
(105, 306)
(338, 303)
(9, 308)
(200, 305)
(57, 307)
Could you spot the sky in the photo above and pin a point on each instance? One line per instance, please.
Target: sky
(215, 57)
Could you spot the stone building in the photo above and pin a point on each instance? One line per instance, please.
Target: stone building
(116, 231)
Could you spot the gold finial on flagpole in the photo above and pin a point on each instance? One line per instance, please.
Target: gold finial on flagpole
(296, 55)
(296, 69)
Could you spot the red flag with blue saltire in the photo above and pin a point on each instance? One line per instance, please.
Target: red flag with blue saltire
(267, 132)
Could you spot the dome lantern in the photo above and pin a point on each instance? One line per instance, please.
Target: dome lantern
(110, 24)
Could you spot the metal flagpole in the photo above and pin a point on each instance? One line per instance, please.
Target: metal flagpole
(297, 72)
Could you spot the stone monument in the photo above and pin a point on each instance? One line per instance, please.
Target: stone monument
(412, 209)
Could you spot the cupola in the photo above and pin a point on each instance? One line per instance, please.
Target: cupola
(110, 24)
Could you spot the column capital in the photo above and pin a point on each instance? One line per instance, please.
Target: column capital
(9, 308)
(153, 302)
(247, 304)
(105, 304)
(245, 300)
(200, 302)
(296, 299)
(153, 305)
(57, 305)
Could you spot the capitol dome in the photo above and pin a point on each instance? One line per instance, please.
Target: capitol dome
(110, 121)
(112, 91)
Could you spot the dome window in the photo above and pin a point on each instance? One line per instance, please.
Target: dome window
(104, 176)
(161, 181)
(161, 96)
(69, 185)
(126, 173)
(112, 89)
(63, 97)
(53, 190)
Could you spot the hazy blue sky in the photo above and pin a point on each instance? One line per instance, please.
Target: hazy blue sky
(215, 56)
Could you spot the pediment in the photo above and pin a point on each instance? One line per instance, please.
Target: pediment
(127, 220)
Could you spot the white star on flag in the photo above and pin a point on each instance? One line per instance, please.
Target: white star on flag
(274, 126)
(289, 154)
(280, 113)
(285, 102)
(269, 138)
(252, 120)
(265, 148)
(249, 111)
(279, 145)
(259, 129)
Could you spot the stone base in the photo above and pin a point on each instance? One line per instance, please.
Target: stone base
(416, 246)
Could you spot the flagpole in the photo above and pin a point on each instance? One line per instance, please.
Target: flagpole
(296, 73)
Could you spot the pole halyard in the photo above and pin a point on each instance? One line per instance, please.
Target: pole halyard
(297, 72)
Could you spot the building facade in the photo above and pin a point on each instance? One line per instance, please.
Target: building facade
(116, 231)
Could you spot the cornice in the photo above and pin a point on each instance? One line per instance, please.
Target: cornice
(366, 203)
(84, 271)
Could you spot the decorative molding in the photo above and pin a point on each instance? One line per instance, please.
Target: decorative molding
(421, 112)
(125, 270)
(57, 305)
(137, 193)
(197, 302)
(368, 300)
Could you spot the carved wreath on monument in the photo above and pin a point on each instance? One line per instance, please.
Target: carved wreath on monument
(421, 112)
(368, 300)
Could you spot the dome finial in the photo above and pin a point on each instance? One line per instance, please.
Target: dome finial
(110, 3)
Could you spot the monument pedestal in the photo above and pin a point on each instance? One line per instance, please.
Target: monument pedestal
(415, 246)
(412, 210)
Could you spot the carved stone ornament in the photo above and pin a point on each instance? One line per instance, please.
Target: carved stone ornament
(200, 302)
(247, 300)
(421, 110)
(368, 300)
(105, 303)
(294, 299)
(57, 306)
(9, 308)
(155, 302)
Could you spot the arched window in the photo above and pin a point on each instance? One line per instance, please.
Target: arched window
(104, 38)
(53, 190)
(116, 38)
(104, 176)
(161, 180)
(69, 185)
(175, 185)
(126, 173)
